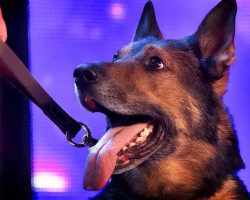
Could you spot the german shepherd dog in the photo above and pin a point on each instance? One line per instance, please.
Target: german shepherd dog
(169, 133)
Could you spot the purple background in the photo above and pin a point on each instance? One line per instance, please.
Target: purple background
(65, 33)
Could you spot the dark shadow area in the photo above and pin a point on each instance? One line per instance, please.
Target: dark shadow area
(15, 113)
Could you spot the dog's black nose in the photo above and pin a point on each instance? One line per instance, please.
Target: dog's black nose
(89, 74)
(77, 73)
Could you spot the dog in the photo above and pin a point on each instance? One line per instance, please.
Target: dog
(169, 134)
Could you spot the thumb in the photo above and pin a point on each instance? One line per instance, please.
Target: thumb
(3, 30)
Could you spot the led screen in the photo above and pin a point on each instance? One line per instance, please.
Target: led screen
(63, 34)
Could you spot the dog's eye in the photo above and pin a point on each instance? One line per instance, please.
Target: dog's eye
(115, 57)
(155, 63)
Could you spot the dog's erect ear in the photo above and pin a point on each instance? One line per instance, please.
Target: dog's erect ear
(216, 40)
(147, 25)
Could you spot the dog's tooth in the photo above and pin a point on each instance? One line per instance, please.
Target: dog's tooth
(145, 132)
(139, 139)
(131, 144)
(150, 128)
(124, 148)
(125, 162)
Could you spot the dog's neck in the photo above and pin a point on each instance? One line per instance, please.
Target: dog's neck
(184, 171)
(227, 190)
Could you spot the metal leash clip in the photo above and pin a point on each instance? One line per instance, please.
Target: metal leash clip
(87, 139)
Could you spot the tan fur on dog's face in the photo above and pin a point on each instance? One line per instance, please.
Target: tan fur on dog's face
(160, 87)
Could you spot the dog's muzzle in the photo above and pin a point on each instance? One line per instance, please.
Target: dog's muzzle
(88, 73)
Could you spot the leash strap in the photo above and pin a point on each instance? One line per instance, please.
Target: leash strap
(13, 70)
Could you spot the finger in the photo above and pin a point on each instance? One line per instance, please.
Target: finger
(3, 30)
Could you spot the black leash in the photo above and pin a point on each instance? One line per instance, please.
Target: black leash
(13, 70)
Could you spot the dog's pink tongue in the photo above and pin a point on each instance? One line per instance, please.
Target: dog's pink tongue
(101, 158)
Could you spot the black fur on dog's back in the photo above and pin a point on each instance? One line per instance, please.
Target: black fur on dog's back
(198, 156)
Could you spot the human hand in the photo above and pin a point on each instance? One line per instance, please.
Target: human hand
(3, 30)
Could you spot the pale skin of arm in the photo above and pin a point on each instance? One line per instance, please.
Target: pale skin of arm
(3, 30)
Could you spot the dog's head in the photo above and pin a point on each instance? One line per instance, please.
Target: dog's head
(174, 86)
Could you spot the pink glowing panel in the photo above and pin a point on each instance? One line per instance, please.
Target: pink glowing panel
(49, 182)
(117, 11)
